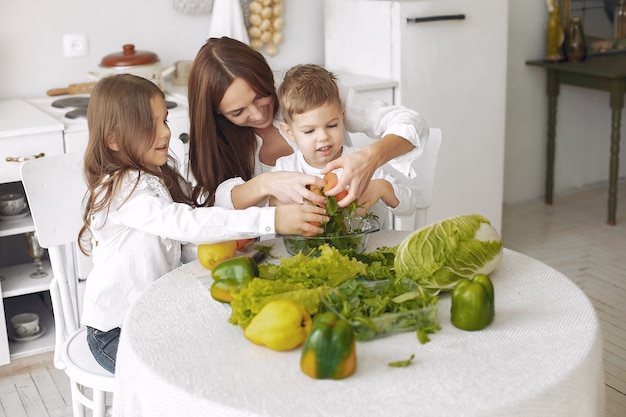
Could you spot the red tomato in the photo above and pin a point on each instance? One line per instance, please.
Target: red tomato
(244, 244)
(332, 180)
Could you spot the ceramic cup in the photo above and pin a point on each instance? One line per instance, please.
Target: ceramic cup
(25, 324)
(12, 204)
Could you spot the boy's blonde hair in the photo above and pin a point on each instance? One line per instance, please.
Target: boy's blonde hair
(307, 87)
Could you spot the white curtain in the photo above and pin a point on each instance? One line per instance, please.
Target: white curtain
(227, 20)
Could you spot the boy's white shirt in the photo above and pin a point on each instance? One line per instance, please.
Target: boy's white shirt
(140, 240)
(296, 163)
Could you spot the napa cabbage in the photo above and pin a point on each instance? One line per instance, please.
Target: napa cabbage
(438, 255)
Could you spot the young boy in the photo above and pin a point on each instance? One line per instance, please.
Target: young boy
(313, 119)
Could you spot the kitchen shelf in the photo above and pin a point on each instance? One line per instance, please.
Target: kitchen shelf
(17, 280)
(25, 130)
(15, 227)
(32, 303)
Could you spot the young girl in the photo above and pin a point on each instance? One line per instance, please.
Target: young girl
(138, 210)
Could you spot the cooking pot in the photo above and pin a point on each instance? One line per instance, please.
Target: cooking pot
(130, 61)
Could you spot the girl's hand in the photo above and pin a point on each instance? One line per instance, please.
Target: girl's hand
(300, 219)
(358, 169)
(291, 187)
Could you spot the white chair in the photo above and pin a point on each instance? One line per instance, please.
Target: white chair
(425, 166)
(55, 189)
(422, 184)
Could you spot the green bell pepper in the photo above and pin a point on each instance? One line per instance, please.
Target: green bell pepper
(473, 303)
(230, 275)
(329, 351)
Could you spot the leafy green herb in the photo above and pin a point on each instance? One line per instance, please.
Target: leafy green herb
(371, 308)
(267, 250)
(345, 220)
(379, 262)
(424, 331)
(401, 364)
(343, 231)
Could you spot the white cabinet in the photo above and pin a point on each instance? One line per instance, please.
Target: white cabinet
(375, 88)
(449, 60)
(25, 132)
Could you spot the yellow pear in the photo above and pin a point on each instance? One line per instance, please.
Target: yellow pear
(211, 254)
(280, 325)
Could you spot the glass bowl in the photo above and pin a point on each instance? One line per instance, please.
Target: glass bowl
(385, 324)
(357, 240)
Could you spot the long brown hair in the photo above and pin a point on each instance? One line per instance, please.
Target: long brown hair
(120, 107)
(218, 149)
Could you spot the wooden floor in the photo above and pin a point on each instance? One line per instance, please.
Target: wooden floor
(572, 236)
(33, 387)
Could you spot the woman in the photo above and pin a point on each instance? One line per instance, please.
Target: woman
(234, 138)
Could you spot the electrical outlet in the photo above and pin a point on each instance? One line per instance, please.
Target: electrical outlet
(75, 45)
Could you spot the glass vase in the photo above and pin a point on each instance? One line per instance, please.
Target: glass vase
(575, 47)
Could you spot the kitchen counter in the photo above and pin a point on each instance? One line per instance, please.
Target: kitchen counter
(22, 118)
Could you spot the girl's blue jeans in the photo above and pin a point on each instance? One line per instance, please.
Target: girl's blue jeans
(103, 346)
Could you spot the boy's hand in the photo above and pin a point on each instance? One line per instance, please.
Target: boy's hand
(300, 219)
(378, 190)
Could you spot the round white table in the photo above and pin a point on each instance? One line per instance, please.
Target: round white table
(541, 356)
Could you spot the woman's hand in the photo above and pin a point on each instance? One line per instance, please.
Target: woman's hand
(359, 167)
(300, 219)
(291, 187)
(285, 187)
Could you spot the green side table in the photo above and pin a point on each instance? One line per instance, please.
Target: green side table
(600, 72)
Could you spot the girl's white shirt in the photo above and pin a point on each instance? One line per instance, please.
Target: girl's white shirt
(374, 118)
(140, 238)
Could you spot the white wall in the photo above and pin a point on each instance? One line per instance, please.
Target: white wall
(583, 119)
(31, 38)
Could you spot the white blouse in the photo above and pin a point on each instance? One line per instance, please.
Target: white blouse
(140, 238)
(374, 118)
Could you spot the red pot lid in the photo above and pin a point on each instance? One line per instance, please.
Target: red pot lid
(128, 57)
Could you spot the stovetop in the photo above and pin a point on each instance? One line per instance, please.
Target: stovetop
(72, 110)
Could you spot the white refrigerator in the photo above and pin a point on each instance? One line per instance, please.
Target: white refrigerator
(449, 60)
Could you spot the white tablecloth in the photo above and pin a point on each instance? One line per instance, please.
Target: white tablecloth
(541, 356)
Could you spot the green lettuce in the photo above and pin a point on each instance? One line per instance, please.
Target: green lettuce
(248, 301)
(298, 278)
(331, 268)
(438, 255)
